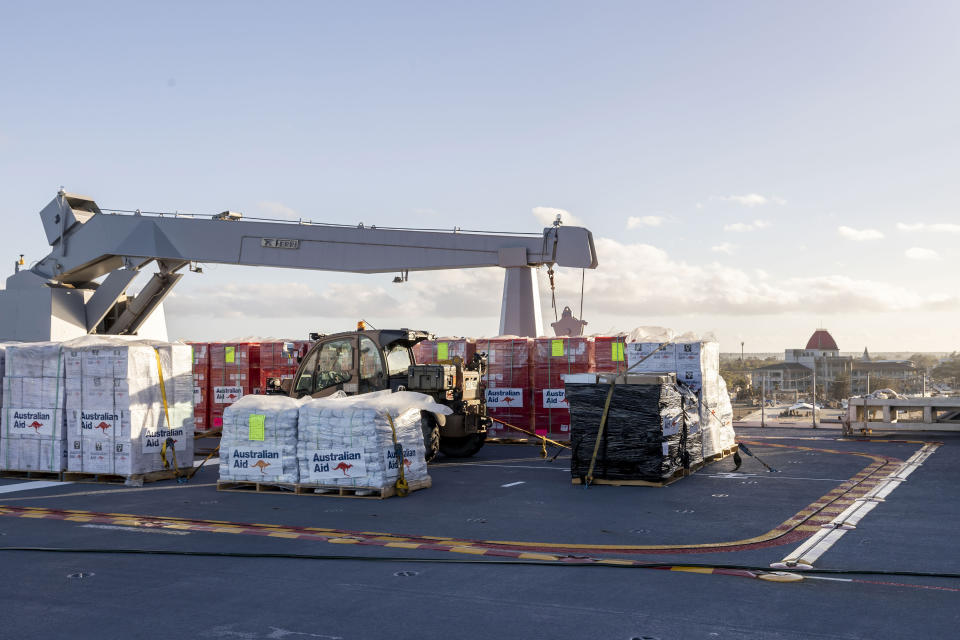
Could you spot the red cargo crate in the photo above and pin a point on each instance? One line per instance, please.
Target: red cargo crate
(554, 358)
(279, 354)
(234, 373)
(284, 373)
(611, 354)
(508, 384)
(444, 349)
(201, 387)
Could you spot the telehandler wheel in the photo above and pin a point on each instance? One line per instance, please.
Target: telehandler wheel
(462, 447)
(431, 435)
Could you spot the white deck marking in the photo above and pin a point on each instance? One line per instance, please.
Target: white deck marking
(512, 484)
(769, 476)
(27, 486)
(116, 527)
(810, 551)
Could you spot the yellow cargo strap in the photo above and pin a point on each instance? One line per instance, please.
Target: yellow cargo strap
(166, 414)
(596, 444)
(543, 439)
(173, 455)
(401, 484)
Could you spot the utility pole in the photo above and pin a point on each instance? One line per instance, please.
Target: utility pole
(741, 352)
(763, 401)
(814, 412)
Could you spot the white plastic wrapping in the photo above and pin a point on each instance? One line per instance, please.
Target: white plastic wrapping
(116, 390)
(696, 361)
(3, 363)
(259, 441)
(725, 416)
(350, 441)
(32, 430)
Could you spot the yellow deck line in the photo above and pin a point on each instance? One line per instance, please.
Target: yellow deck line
(821, 506)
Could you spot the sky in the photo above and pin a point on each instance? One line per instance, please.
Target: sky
(750, 170)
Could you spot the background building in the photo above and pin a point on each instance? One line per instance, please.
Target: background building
(837, 376)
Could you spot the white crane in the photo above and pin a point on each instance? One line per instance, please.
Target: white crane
(60, 297)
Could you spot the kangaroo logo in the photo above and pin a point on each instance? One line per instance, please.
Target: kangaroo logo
(343, 466)
(232, 396)
(508, 399)
(103, 426)
(407, 462)
(36, 426)
(262, 466)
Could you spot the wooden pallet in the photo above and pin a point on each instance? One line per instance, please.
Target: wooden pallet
(32, 475)
(638, 483)
(681, 473)
(135, 480)
(376, 493)
(722, 454)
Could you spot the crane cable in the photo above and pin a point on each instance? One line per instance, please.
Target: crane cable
(583, 275)
(553, 293)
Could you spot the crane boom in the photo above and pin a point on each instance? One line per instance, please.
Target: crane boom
(88, 243)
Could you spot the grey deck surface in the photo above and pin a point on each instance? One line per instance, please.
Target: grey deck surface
(151, 596)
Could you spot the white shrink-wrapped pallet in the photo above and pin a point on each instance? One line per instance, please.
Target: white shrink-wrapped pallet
(696, 361)
(725, 417)
(259, 441)
(349, 442)
(698, 366)
(32, 420)
(124, 399)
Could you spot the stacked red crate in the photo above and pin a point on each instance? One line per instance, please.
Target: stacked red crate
(420, 353)
(443, 349)
(611, 354)
(201, 389)
(278, 359)
(508, 382)
(554, 358)
(234, 373)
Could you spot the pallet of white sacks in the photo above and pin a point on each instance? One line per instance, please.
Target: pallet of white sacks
(376, 493)
(136, 480)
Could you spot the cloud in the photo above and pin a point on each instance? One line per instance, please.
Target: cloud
(940, 227)
(724, 247)
(752, 200)
(277, 210)
(918, 253)
(640, 280)
(633, 281)
(633, 222)
(546, 216)
(743, 227)
(859, 235)
(465, 294)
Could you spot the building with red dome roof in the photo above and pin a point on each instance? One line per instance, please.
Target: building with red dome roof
(796, 372)
(821, 340)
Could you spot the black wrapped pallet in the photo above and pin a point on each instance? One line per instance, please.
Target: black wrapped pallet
(652, 431)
